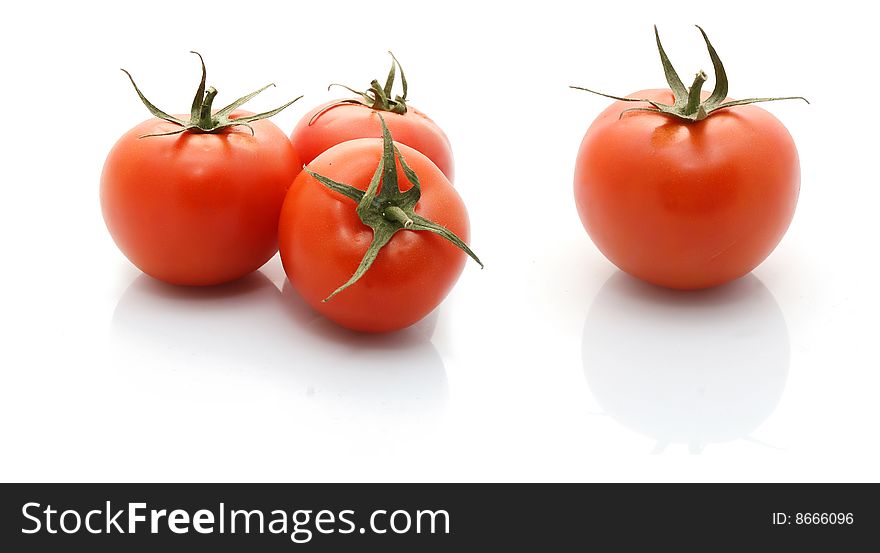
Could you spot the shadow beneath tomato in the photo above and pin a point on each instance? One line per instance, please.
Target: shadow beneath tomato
(210, 324)
(397, 374)
(243, 349)
(691, 368)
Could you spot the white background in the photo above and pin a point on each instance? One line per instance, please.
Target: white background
(547, 365)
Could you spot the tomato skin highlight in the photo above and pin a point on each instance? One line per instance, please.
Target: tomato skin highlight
(686, 205)
(197, 208)
(322, 242)
(347, 121)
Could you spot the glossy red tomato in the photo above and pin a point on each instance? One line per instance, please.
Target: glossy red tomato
(686, 204)
(197, 208)
(323, 240)
(347, 121)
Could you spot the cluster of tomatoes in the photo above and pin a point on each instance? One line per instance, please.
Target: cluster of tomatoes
(678, 187)
(208, 198)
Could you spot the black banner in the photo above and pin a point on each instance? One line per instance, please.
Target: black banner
(436, 517)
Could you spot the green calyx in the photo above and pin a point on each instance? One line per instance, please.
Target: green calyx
(689, 104)
(377, 97)
(202, 117)
(388, 210)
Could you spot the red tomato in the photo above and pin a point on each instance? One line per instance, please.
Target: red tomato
(323, 240)
(348, 121)
(194, 199)
(692, 197)
(686, 204)
(341, 120)
(197, 208)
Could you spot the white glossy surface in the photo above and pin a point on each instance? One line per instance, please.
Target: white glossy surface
(547, 365)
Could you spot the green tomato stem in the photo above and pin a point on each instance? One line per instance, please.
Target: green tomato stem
(689, 105)
(206, 117)
(694, 99)
(202, 117)
(377, 97)
(394, 213)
